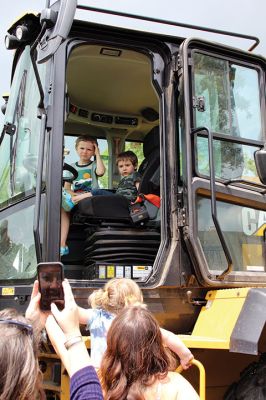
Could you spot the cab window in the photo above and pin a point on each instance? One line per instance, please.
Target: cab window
(230, 94)
(137, 148)
(243, 229)
(19, 150)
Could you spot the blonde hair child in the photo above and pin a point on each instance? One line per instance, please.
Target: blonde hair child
(115, 295)
(106, 303)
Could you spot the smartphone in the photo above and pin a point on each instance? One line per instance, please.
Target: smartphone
(50, 277)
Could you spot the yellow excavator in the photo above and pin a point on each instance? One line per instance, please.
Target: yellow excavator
(194, 113)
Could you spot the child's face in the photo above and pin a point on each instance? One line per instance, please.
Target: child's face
(125, 167)
(85, 151)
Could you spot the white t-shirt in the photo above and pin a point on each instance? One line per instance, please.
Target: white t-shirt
(98, 324)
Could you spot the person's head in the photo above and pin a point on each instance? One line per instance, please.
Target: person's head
(19, 369)
(4, 231)
(85, 148)
(127, 163)
(50, 278)
(116, 294)
(135, 355)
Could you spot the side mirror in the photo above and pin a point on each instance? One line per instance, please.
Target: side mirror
(260, 161)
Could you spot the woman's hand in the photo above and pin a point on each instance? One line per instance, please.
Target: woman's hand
(58, 339)
(33, 312)
(68, 318)
(62, 326)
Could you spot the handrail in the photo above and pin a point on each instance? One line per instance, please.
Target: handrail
(241, 141)
(213, 202)
(202, 377)
(173, 23)
(244, 181)
(37, 210)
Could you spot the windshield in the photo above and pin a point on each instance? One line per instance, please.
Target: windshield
(19, 151)
(17, 248)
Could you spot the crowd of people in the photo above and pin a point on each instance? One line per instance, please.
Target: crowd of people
(134, 362)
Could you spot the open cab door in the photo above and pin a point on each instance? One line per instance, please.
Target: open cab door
(222, 120)
(22, 146)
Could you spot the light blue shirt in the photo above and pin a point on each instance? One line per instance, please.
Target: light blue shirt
(87, 178)
(98, 325)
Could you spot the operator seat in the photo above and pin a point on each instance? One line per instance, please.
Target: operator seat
(109, 235)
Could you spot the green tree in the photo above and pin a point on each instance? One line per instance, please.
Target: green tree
(137, 148)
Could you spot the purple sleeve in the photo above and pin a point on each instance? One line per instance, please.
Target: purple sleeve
(84, 385)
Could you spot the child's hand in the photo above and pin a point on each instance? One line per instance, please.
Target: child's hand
(78, 197)
(96, 150)
(186, 360)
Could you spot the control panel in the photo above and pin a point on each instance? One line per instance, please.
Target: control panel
(103, 119)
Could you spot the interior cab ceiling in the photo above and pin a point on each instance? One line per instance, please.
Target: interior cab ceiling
(115, 84)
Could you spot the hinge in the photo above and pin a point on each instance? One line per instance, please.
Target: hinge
(178, 65)
(199, 103)
(10, 129)
(181, 217)
(195, 301)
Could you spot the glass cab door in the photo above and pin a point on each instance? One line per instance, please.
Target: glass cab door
(223, 124)
(18, 171)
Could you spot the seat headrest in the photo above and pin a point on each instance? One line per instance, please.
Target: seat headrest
(151, 141)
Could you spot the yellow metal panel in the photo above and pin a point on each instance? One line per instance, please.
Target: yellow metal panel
(260, 231)
(227, 294)
(217, 319)
(203, 342)
(65, 384)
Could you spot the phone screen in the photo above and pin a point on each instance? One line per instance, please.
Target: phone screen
(50, 276)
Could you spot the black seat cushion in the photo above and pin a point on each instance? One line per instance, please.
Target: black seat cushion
(151, 142)
(104, 207)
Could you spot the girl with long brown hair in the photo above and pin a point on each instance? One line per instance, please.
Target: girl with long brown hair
(136, 365)
(108, 302)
